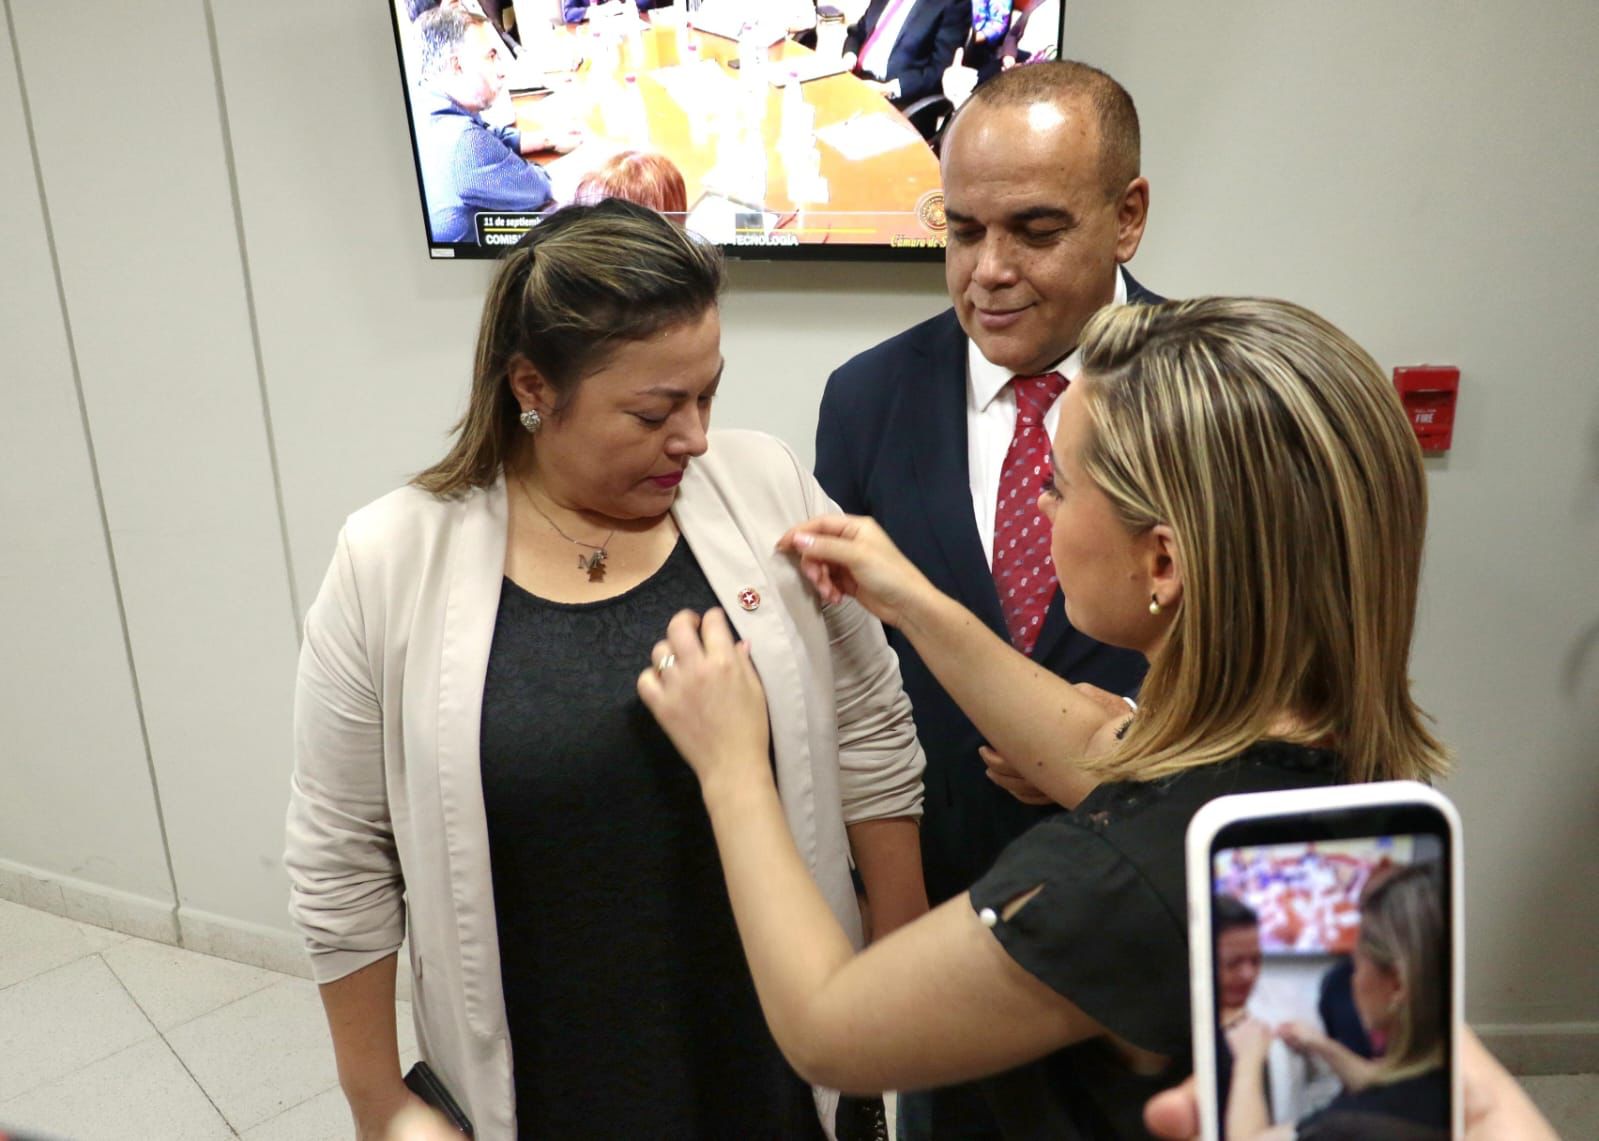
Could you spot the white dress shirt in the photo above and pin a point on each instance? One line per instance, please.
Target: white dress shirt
(991, 422)
(1042, 33)
(884, 37)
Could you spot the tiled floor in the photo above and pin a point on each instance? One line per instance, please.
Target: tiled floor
(104, 1037)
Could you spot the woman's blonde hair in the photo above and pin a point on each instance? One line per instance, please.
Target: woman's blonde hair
(573, 290)
(1277, 452)
(1402, 932)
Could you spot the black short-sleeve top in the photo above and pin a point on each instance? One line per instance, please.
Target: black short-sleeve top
(1414, 1107)
(1108, 930)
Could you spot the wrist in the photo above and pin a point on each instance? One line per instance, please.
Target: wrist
(734, 784)
(376, 1101)
(924, 609)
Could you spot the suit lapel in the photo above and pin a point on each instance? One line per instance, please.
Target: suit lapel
(915, 20)
(874, 13)
(943, 481)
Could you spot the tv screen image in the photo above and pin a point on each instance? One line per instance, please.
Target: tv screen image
(1307, 896)
(740, 118)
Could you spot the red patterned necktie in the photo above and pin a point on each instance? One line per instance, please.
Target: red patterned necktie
(1023, 572)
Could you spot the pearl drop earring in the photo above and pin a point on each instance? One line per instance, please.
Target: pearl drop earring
(1154, 604)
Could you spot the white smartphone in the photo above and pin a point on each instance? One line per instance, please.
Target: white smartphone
(1325, 954)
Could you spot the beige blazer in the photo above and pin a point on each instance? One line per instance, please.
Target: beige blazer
(386, 826)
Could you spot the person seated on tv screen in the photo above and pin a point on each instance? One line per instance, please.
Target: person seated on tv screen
(1031, 36)
(468, 166)
(532, 40)
(645, 177)
(1034, 35)
(416, 9)
(901, 47)
(991, 19)
(576, 11)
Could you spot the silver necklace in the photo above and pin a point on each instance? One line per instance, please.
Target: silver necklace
(593, 563)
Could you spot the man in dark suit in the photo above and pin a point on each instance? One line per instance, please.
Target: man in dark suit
(902, 47)
(923, 432)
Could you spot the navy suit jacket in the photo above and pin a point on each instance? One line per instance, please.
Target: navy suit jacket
(891, 443)
(926, 45)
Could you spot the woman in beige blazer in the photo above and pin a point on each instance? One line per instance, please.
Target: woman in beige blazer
(467, 733)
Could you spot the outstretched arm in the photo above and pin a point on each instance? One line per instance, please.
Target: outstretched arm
(1247, 1116)
(1039, 723)
(886, 1018)
(1355, 1072)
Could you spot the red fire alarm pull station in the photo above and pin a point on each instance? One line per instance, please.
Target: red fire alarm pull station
(1428, 393)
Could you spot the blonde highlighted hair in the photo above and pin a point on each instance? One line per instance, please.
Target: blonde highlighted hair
(1277, 452)
(1402, 932)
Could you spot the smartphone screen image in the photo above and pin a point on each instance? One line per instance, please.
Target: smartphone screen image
(1331, 986)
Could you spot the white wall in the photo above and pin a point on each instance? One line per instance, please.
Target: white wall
(77, 798)
(1422, 174)
(262, 345)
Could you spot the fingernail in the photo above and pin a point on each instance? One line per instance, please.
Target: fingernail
(804, 541)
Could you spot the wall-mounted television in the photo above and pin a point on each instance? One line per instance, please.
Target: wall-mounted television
(775, 128)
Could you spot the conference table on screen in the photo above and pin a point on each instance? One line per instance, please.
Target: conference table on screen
(671, 90)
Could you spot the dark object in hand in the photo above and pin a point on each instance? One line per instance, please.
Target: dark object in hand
(423, 1082)
(861, 1119)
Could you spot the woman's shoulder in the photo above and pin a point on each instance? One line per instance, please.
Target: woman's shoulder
(752, 468)
(1266, 766)
(1142, 824)
(404, 518)
(743, 450)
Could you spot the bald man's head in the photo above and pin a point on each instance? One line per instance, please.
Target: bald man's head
(1069, 83)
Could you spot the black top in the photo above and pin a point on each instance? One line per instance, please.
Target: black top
(631, 1009)
(1420, 1103)
(1109, 932)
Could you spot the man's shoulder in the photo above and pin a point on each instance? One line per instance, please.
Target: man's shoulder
(935, 339)
(1138, 293)
(435, 111)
